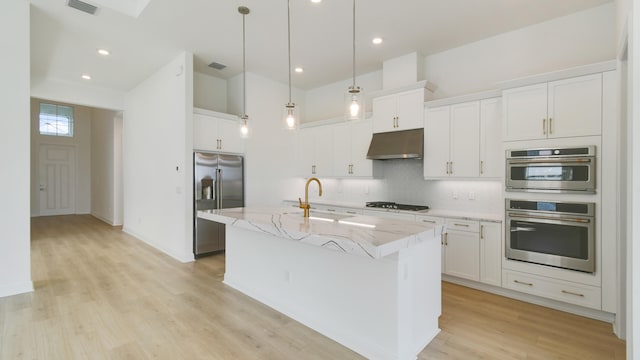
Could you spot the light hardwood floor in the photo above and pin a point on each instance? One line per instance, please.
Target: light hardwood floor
(101, 294)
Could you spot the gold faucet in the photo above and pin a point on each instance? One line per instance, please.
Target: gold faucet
(306, 205)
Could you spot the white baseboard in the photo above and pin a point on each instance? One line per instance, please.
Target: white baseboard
(16, 288)
(180, 257)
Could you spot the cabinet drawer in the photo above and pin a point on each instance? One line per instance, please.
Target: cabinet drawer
(583, 295)
(430, 220)
(463, 225)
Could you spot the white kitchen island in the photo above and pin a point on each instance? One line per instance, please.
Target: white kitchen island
(369, 283)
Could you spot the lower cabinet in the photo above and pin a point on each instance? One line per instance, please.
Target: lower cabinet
(461, 248)
(491, 253)
(578, 294)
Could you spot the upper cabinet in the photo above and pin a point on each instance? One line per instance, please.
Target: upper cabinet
(315, 146)
(564, 108)
(350, 145)
(218, 132)
(400, 111)
(463, 140)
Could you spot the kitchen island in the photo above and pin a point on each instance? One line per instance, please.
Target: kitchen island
(369, 283)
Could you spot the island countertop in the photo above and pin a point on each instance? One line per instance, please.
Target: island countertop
(362, 235)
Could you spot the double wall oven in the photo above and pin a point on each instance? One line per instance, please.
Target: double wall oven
(552, 232)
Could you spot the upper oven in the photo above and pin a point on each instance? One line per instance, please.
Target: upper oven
(552, 170)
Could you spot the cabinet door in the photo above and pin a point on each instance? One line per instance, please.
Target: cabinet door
(525, 112)
(436, 221)
(229, 136)
(384, 113)
(462, 254)
(465, 140)
(360, 141)
(410, 110)
(575, 106)
(205, 132)
(306, 149)
(341, 149)
(491, 253)
(491, 155)
(323, 151)
(436, 142)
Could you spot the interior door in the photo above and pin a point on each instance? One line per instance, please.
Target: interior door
(57, 174)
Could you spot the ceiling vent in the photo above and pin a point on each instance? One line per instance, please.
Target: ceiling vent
(82, 6)
(217, 66)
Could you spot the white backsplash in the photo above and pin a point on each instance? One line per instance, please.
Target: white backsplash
(403, 182)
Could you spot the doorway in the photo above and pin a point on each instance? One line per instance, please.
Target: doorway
(57, 174)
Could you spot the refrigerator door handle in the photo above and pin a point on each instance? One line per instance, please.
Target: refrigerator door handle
(219, 188)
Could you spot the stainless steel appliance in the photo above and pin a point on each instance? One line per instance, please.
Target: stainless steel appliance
(559, 234)
(392, 205)
(552, 170)
(217, 184)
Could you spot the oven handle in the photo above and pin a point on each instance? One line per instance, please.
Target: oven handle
(577, 161)
(531, 217)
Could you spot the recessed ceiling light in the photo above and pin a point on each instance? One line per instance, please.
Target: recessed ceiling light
(377, 40)
(103, 52)
(316, 1)
(298, 69)
(86, 77)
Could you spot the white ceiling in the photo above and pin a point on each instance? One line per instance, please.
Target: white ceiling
(64, 40)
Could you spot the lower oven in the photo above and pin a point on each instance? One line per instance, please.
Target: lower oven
(559, 234)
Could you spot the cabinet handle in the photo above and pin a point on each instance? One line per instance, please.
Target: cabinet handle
(550, 126)
(446, 167)
(451, 167)
(446, 237)
(331, 210)
(352, 212)
(313, 169)
(481, 167)
(572, 293)
(544, 126)
(429, 221)
(465, 225)
(482, 232)
(522, 282)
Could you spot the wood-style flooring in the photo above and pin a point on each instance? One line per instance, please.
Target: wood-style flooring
(101, 294)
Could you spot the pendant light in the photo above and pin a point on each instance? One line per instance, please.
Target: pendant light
(290, 112)
(244, 130)
(354, 98)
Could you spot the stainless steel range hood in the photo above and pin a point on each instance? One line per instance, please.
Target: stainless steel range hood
(406, 144)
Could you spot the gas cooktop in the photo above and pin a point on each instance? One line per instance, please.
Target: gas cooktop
(392, 205)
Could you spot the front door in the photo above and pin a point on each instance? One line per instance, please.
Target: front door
(57, 179)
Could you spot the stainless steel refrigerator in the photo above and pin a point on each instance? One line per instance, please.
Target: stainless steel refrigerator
(218, 183)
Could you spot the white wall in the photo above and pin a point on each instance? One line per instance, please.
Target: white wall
(81, 140)
(157, 147)
(209, 92)
(270, 151)
(15, 262)
(76, 93)
(582, 38)
(105, 166)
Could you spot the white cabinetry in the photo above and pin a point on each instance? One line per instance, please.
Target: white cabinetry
(216, 132)
(315, 146)
(491, 154)
(462, 249)
(491, 253)
(564, 108)
(452, 141)
(401, 111)
(350, 145)
(435, 221)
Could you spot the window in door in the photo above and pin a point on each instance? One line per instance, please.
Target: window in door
(56, 120)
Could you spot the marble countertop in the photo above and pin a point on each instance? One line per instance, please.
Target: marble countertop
(466, 215)
(368, 236)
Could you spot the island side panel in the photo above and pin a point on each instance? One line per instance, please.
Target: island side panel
(354, 300)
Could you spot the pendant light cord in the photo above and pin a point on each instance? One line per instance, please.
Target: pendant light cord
(244, 71)
(354, 44)
(289, 43)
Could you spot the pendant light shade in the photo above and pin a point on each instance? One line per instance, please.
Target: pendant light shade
(244, 118)
(290, 111)
(354, 98)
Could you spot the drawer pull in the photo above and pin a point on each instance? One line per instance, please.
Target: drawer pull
(572, 293)
(465, 225)
(331, 209)
(522, 282)
(429, 221)
(351, 212)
